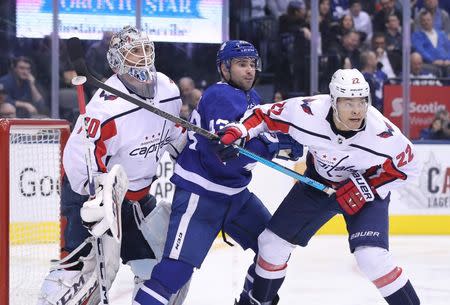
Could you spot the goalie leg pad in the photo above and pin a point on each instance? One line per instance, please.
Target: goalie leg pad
(377, 264)
(154, 226)
(73, 287)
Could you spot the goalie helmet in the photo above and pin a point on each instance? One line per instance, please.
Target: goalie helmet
(131, 55)
(235, 49)
(348, 83)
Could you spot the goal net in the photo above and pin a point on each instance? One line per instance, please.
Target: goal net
(30, 175)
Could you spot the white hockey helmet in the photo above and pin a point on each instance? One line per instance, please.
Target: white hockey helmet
(348, 83)
(132, 54)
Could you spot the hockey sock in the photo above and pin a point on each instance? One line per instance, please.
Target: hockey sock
(263, 290)
(248, 285)
(167, 278)
(404, 296)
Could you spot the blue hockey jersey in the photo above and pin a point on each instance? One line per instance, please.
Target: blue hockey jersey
(199, 169)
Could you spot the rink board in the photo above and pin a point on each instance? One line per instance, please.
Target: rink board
(421, 207)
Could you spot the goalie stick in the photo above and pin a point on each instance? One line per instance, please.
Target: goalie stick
(78, 82)
(76, 54)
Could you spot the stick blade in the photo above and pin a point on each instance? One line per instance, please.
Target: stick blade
(76, 54)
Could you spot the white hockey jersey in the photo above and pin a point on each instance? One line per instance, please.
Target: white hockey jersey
(123, 133)
(380, 150)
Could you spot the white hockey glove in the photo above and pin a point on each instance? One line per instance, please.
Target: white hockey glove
(176, 145)
(103, 213)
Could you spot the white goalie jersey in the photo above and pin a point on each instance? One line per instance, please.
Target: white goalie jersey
(123, 133)
(380, 150)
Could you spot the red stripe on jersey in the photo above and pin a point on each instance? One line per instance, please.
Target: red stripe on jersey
(137, 195)
(388, 278)
(259, 116)
(389, 174)
(268, 266)
(107, 131)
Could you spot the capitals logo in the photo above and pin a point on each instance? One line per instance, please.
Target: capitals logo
(305, 106)
(107, 97)
(388, 133)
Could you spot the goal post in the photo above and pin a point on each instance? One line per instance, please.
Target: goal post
(30, 175)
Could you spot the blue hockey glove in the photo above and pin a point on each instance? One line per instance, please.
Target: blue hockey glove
(282, 146)
(224, 152)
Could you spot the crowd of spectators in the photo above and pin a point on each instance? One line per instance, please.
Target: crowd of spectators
(349, 30)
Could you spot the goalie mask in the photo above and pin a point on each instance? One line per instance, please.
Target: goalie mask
(349, 83)
(131, 55)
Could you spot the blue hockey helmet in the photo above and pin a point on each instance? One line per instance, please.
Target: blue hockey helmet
(235, 49)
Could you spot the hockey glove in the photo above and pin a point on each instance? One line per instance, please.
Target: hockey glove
(353, 193)
(231, 133)
(282, 146)
(225, 152)
(103, 212)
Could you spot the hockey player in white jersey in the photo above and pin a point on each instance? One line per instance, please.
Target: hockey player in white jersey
(126, 137)
(352, 148)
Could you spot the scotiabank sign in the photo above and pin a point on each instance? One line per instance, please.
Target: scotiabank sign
(425, 102)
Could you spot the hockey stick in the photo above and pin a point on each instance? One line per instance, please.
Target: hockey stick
(76, 54)
(78, 82)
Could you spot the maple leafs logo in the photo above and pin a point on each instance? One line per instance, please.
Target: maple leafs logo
(387, 133)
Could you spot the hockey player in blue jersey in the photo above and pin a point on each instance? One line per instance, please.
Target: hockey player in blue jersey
(357, 151)
(211, 186)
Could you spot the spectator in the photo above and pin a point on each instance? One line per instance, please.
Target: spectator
(434, 46)
(325, 22)
(278, 7)
(338, 31)
(375, 77)
(185, 112)
(295, 18)
(393, 34)
(390, 61)
(196, 94)
(6, 109)
(441, 20)
(348, 51)
(186, 85)
(22, 90)
(96, 59)
(294, 44)
(278, 96)
(444, 116)
(434, 132)
(361, 20)
(419, 76)
(387, 8)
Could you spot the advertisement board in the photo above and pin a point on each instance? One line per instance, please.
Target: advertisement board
(202, 21)
(425, 102)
